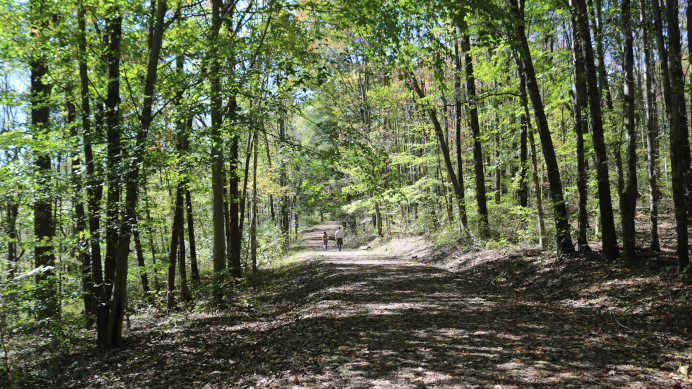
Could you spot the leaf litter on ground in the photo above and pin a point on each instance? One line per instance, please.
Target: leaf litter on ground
(362, 319)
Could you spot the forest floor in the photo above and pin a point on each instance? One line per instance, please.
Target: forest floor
(381, 318)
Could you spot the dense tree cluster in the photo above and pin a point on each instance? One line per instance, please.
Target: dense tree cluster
(131, 130)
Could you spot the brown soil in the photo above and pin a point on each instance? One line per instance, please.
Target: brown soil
(380, 319)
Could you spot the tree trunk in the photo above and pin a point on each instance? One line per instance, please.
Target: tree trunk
(94, 189)
(191, 237)
(131, 174)
(182, 268)
(476, 131)
(562, 227)
(679, 139)
(579, 102)
(171, 303)
(630, 195)
(651, 129)
(217, 160)
(11, 218)
(609, 238)
(526, 121)
(378, 220)
(114, 32)
(284, 183)
(457, 132)
(255, 198)
(443, 147)
(140, 262)
(44, 224)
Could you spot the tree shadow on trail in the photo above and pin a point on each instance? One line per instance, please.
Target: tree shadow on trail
(401, 325)
(375, 322)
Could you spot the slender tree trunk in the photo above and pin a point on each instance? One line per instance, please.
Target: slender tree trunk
(442, 144)
(651, 128)
(457, 134)
(140, 262)
(630, 195)
(94, 189)
(150, 229)
(579, 101)
(217, 160)
(284, 183)
(679, 139)
(255, 198)
(476, 132)
(44, 224)
(171, 303)
(114, 32)
(523, 191)
(131, 174)
(562, 233)
(11, 218)
(182, 268)
(82, 249)
(191, 237)
(269, 162)
(609, 238)
(526, 121)
(234, 197)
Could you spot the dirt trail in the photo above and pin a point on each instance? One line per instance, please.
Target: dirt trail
(357, 319)
(392, 323)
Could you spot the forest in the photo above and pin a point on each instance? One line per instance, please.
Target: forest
(171, 163)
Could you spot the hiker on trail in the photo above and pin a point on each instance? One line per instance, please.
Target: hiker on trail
(325, 240)
(339, 236)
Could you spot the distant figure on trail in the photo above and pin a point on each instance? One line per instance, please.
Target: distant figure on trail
(339, 236)
(325, 240)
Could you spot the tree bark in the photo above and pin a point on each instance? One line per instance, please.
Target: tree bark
(579, 102)
(217, 160)
(234, 196)
(44, 224)
(444, 148)
(630, 195)
(651, 129)
(255, 197)
(191, 237)
(679, 139)
(171, 303)
(182, 268)
(562, 227)
(526, 121)
(481, 200)
(609, 238)
(140, 261)
(94, 188)
(136, 159)
(114, 35)
(457, 133)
